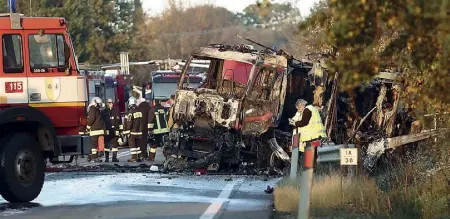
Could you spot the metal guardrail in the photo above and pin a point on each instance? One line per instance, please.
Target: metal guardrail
(329, 152)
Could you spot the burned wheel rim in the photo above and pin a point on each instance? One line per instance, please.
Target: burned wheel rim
(26, 167)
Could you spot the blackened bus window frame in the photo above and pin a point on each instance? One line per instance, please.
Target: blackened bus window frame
(8, 69)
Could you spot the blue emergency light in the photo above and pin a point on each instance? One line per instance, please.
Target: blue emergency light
(11, 4)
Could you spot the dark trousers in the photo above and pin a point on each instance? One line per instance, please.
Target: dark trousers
(156, 142)
(111, 141)
(94, 144)
(143, 145)
(133, 143)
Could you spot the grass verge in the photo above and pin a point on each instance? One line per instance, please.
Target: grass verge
(427, 197)
(333, 192)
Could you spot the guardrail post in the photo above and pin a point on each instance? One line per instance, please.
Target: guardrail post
(294, 162)
(306, 180)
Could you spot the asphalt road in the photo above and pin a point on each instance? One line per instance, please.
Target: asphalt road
(113, 195)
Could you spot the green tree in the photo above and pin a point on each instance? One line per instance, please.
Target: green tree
(266, 14)
(409, 36)
(139, 38)
(100, 29)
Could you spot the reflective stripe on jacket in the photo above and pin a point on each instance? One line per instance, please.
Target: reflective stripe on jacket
(157, 120)
(133, 122)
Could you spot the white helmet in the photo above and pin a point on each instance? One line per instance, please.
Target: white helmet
(110, 100)
(96, 101)
(141, 100)
(132, 102)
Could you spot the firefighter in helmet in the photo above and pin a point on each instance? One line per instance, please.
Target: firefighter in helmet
(95, 126)
(113, 135)
(133, 129)
(158, 127)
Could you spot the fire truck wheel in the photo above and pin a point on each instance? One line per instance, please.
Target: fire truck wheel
(22, 170)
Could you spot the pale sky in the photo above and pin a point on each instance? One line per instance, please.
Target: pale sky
(157, 6)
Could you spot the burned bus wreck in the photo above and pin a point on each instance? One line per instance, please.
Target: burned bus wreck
(238, 117)
(229, 121)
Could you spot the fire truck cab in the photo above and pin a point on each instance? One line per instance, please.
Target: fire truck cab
(43, 99)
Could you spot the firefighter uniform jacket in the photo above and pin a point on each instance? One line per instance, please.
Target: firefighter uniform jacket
(108, 122)
(144, 108)
(116, 122)
(157, 120)
(121, 124)
(95, 123)
(133, 122)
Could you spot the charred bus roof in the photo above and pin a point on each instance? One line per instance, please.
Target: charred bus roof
(241, 53)
(19, 21)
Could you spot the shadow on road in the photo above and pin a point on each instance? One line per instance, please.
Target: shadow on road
(18, 206)
(74, 175)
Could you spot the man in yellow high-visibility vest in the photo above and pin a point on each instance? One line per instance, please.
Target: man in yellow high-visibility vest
(307, 124)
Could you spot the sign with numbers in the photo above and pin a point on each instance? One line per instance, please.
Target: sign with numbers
(39, 70)
(14, 87)
(349, 156)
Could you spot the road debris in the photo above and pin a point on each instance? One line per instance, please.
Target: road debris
(269, 190)
(154, 168)
(373, 152)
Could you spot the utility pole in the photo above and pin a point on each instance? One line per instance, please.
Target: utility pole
(124, 63)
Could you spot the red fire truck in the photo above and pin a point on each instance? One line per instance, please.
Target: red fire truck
(102, 85)
(43, 100)
(164, 85)
(122, 92)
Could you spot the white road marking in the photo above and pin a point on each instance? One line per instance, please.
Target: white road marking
(215, 207)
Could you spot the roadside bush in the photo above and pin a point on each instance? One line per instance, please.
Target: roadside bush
(419, 186)
(286, 195)
(360, 194)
